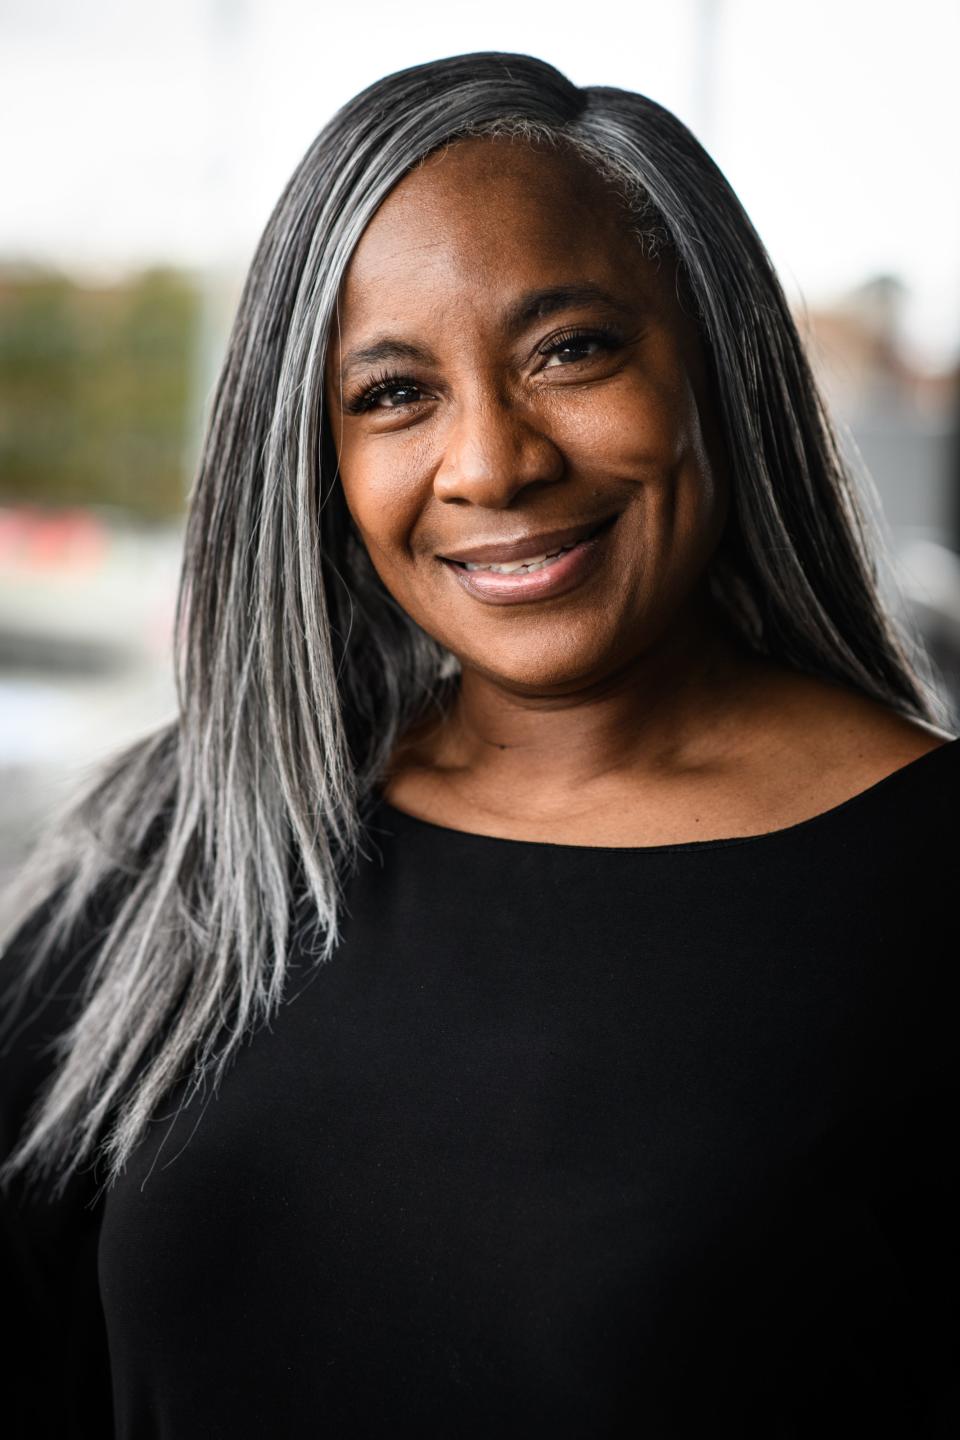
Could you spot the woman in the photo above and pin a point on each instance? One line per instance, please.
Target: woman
(533, 676)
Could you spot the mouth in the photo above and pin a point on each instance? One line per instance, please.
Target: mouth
(504, 556)
(563, 560)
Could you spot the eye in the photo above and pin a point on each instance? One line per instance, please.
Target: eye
(386, 392)
(577, 345)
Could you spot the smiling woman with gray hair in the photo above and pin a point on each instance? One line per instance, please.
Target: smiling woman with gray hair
(498, 1004)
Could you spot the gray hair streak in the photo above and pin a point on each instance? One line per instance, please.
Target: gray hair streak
(297, 672)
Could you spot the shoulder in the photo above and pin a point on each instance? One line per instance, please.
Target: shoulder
(43, 971)
(811, 745)
(840, 732)
(48, 1231)
(831, 743)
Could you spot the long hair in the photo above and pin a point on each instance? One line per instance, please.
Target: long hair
(297, 672)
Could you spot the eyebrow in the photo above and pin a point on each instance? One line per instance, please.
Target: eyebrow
(382, 350)
(539, 304)
(535, 305)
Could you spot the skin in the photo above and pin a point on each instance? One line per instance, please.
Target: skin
(626, 711)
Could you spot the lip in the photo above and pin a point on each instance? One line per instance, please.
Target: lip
(505, 552)
(569, 571)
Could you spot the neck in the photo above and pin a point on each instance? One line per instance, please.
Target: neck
(679, 704)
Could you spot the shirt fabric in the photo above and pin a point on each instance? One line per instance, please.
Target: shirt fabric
(563, 1141)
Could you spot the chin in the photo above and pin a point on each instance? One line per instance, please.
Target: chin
(537, 674)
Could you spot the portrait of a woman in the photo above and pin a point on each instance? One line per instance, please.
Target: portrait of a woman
(514, 997)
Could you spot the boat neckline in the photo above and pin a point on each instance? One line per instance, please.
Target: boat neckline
(852, 802)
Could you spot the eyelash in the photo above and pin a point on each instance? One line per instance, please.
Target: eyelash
(390, 380)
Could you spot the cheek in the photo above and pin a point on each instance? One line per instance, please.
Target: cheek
(645, 434)
(640, 425)
(382, 501)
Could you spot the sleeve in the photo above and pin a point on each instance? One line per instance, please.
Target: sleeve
(57, 1373)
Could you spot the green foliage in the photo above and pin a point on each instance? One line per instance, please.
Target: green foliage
(95, 382)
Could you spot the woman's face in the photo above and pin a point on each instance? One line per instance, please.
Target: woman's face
(511, 375)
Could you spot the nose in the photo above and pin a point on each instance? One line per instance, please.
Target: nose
(492, 451)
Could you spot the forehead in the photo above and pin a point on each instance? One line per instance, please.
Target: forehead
(482, 212)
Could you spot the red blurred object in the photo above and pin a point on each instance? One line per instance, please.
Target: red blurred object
(36, 539)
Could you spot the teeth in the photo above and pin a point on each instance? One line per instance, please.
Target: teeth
(498, 569)
(536, 562)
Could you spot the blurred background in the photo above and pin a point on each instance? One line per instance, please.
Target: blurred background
(145, 148)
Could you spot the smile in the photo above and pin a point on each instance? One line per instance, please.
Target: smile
(536, 577)
(526, 565)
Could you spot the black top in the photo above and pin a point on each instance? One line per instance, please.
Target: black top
(564, 1141)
